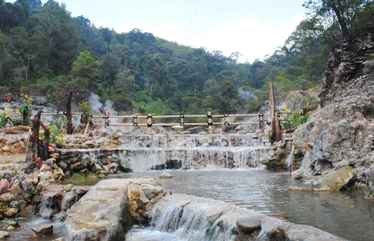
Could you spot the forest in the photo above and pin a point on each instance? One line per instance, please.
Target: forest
(46, 51)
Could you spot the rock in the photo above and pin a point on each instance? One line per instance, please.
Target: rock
(7, 197)
(16, 188)
(11, 212)
(339, 134)
(51, 201)
(4, 185)
(166, 175)
(99, 214)
(68, 188)
(43, 230)
(336, 180)
(72, 197)
(103, 214)
(4, 235)
(138, 202)
(249, 225)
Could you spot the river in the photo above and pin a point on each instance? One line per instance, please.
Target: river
(348, 216)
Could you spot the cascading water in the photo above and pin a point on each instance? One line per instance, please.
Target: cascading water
(188, 220)
(290, 158)
(194, 151)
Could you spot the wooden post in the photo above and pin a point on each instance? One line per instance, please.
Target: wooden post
(210, 121)
(135, 120)
(107, 119)
(181, 120)
(69, 115)
(276, 132)
(261, 121)
(149, 120)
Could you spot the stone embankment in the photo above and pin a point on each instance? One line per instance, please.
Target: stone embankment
(110, 208)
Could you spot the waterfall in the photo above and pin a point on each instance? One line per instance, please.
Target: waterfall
(189, 151)
(290, 158)
(180, 217)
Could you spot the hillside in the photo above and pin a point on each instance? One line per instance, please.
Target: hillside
(45, 50)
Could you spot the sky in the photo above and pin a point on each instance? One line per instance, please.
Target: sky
(254, 28)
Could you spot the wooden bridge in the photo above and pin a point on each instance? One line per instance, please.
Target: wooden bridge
(181, 121)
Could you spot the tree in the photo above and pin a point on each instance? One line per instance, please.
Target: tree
(54, 37)
(85, 72)
(342, 11)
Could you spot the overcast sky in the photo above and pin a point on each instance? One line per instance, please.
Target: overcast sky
(254, 28)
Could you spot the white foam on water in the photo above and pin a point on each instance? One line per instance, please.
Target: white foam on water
(208, 151)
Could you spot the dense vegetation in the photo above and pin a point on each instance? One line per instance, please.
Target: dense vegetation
(45, 51)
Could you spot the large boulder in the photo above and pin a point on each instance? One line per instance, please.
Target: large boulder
(109, 208)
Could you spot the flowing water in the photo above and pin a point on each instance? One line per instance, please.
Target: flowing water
(348, 216)
(146, 152)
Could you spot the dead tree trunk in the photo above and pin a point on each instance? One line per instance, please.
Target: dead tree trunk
(44, 145)
(69, 115)
(276, 131)
(38, 149)
(34, 139)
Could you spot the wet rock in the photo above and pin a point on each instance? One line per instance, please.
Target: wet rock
(43, 230)
(249, 225)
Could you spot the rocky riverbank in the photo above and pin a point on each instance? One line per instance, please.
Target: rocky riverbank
(336, 145)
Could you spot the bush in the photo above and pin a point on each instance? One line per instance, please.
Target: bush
(85, 107)
(5, 118)
(294, 120)
(56, 135)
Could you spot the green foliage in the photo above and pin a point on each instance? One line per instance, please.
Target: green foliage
(56, 134)
(5, 118)
(85, 107)
(26, 104)
(84, 72)
(294, 120)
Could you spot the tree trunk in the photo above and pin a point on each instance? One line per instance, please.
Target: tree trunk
(338, 9)
(69, 115)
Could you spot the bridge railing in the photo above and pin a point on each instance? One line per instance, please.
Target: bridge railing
(180, 120)
(260, 120)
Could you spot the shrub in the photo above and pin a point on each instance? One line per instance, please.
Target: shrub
(294, 120)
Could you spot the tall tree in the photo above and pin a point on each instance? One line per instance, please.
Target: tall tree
(342, 11)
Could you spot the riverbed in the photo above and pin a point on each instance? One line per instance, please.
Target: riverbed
(348, 216)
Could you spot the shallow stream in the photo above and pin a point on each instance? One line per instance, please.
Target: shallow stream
(348, 216)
